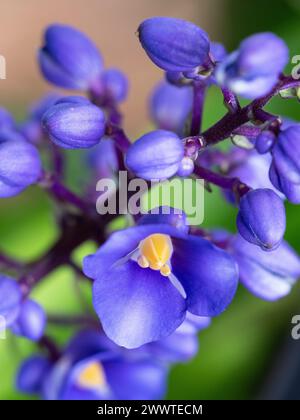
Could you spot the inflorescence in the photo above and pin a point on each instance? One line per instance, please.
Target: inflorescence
(159, 281)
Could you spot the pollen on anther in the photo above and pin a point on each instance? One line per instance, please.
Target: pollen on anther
(155, 252)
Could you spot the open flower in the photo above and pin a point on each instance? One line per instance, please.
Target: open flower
(147, 277)
(93, 368)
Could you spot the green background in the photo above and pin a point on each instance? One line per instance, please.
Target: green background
(238, 350)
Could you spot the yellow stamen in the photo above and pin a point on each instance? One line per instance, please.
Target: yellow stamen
(155, 252)
(92, 376)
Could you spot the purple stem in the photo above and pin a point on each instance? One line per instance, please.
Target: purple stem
(63, 320)
(76, 229)
(248, 131)
(230, 122)
(233, 184)
(230, 100)
(198, 102)
(57, 160)
(118, 135)
(52, 349)
(61, 193)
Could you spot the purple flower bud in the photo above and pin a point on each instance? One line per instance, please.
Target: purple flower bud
(170, 106)
(31, 374)
(253, 69)
(10, 301)
(20, 164)
(74, 123)
(156, 155)
(261, 219)
(69, 59)
(268, 275)
(265, 141)
(285, 168)
(174, 44)
(31, 321)
(115, 84)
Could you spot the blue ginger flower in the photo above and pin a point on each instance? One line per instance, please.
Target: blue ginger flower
(93, 368)
(147, 277)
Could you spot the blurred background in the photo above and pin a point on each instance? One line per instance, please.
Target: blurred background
(247, 352)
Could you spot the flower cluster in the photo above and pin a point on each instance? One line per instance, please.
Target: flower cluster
(159, 281)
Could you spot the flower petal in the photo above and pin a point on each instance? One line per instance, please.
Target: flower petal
(139, 380)
(208, 275)
(137, 305)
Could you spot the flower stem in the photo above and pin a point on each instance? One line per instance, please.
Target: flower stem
(57, 160)
(232, 121)
(52, 349)
(63, 320)
(61, 193)
(233, 184)
(230, 100)
(198, 102)
(10, 263)
(76, 229)
(118, 135)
